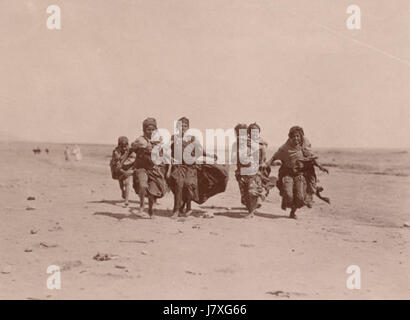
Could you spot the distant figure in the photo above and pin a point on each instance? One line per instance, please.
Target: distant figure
(67, 154)
(77, 153)
(47, 151)
(121, 165)
(37, 151)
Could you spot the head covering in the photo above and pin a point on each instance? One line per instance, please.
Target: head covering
(184, 120)
(122, 140)
(240, 126)
(253, 126)
(296, 129)
(149, 122)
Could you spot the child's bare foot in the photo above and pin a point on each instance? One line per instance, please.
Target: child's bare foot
(293, 213)
(250, 215)
(174, 215)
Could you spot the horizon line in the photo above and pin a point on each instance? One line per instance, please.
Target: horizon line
(113, 144)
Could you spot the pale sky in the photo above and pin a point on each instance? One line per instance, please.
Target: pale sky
(217, 62)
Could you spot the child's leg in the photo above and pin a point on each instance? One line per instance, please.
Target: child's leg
(293, 213)
(127, 185)
(142, 187)
(121, 183)
(177, 198)
(252, 205)
(150, 206)
(188, 208)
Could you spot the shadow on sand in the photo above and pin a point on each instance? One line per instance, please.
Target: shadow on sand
(243, 214)
(114, 202)
(133, 213)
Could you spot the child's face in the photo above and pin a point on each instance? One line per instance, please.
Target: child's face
(254, 133)
(184, 127)
(123, 146)
(148, 131)
(296, 139)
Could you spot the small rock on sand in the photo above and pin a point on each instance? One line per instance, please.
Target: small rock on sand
(28, 250)
(145, 253)
(6, 270)
(104, 257)
(28, 208)
(68, 265)
(208, 215)
(31, 198)
(47, 245)
(33, 231)
(406, 224)
(193, 273)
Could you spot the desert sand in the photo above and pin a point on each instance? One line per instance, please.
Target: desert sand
(77, 213)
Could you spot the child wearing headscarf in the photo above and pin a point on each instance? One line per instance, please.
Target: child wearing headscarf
(149, 178)
(191, 181)
(253, 177)
(297, 160)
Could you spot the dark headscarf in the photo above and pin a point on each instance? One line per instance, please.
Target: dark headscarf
(253, 126)
(296, 129)
(240, 126)
(184, 120)
(122, 140)
(149, 122)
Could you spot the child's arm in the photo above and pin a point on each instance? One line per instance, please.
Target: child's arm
(273, 161)
(168, 174)
(317, 164)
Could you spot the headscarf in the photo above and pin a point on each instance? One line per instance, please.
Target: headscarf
(240, 126)
(296, 129)
(184, 120)
(149, 122)
(253, 126)
(122, 140)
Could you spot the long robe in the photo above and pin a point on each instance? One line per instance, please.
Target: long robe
(296, 177)
(194, 182)
(147, 174)
(254, 188)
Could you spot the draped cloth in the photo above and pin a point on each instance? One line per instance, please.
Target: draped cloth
(296, 178)
(196, 182)
(212, 179)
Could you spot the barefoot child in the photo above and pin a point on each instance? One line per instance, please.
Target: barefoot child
(149, 178)
(255, 183)
(297, 177)
(121, 167)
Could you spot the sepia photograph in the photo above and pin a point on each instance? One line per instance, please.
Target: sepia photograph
(224, 150)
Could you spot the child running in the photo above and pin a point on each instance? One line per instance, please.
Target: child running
(121, 167)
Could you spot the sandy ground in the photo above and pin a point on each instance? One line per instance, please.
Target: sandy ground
(77, 214)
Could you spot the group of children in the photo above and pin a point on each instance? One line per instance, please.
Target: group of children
(297, 181)
(188, 181)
